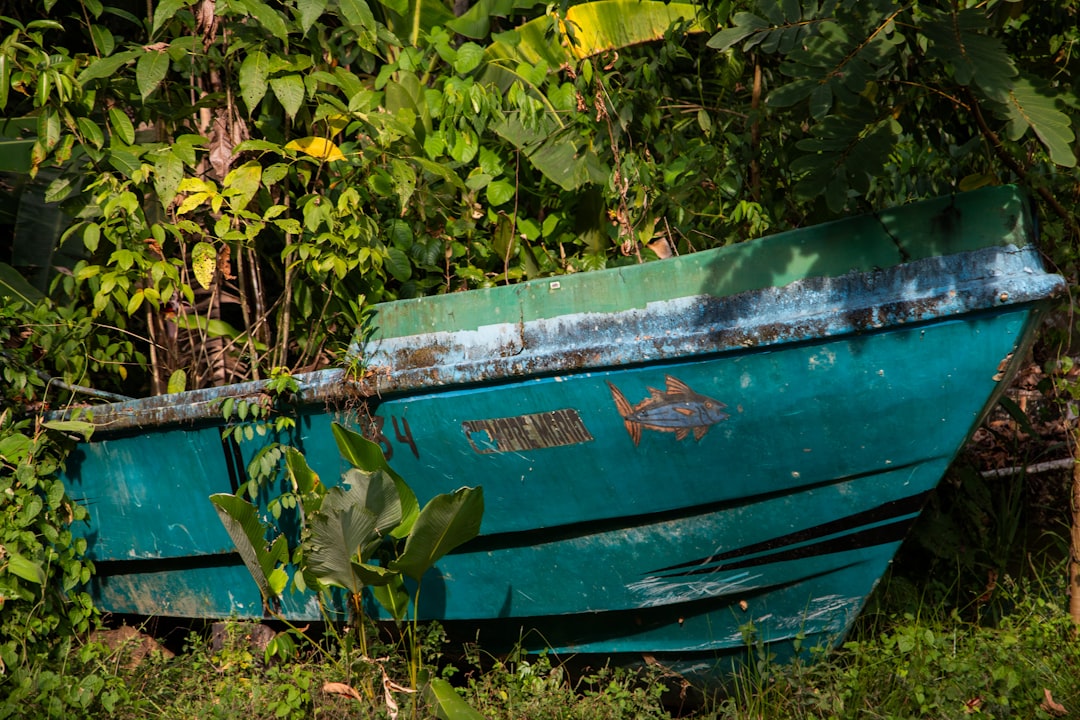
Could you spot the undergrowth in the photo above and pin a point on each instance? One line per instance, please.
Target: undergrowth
(925, 662)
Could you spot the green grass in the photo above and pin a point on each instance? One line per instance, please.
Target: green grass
(923, 663)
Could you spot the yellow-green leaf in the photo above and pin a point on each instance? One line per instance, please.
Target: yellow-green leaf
(177, 382)
(317, 147)
(204, 263)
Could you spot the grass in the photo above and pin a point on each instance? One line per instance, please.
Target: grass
(926, 662)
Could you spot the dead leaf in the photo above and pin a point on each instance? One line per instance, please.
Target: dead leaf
(1051, 706)
(335, 688)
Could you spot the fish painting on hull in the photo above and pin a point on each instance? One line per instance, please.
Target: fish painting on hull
(678, 409)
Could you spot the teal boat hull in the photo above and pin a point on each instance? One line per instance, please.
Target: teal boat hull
(670, 453)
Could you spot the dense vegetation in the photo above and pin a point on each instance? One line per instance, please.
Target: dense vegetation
(202, 191)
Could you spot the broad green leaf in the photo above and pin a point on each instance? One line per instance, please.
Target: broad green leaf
(103, 39)
(397, 262)
(80, 427)
(241, 521)
(393, 597)
(357, 13)
(125, 162)
(91, 131)
(792, 93)
(317, 147)
(310, 11)
(350, 521)
(289, 90)
(150, 71)
(243, 183)
(164, 12)
(597, 27)
(499, 192)
(107, 66)
(446, 703)
(362, 453)
(204, 263)
(253, 79)
(12, 284)
(268, 19)
(177, 382)
(374, 575)
(446, 522)
(168, 171)
(121, 125)
(20, 566)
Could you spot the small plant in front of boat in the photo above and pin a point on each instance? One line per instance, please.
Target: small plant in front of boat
(366, 534)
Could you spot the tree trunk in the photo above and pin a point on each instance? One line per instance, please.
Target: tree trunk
(1074, 544)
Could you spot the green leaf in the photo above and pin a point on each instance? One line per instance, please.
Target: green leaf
(746, 24)
(304, 479)
(14, 285)
(349, 524)
(960, 40)
(447, 704)
(164, 12)
(1029, 107)
(150, 71)
(289, 90)
(121, 125)
(243, 183)
(310, 11)
(20, 566)
(108, 66)
(241, 521)
(397, 262)
(177, 382)
(445, 523)
(499, 192)
(168, 172)
(91, 131)
(393, 597)
(368, 456)
(268, 19)
(204, 263)
(253, 79)
(792, 93)
(358, 14)
(80, 427)
(103, 39)
(5, 78)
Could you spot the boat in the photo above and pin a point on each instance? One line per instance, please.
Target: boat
(672, 454)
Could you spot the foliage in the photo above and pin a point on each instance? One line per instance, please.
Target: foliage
(43, 606)
(350, 539)
(928, 664)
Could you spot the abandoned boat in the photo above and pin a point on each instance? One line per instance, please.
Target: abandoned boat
(669, 452)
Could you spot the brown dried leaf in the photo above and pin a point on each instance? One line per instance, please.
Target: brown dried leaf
(1051, 706)
(335, 688)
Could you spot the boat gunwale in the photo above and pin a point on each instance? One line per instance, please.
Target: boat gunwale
(875, 313)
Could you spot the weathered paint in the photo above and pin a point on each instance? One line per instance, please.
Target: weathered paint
(851, 361)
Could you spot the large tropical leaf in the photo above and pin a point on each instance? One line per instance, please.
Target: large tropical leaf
(368, 456)
(12, 284)
(349, 526)
(248, 533)
(446, 522)
(445, 701)
(589, 29)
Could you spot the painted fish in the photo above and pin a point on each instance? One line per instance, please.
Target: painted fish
(678, 409)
